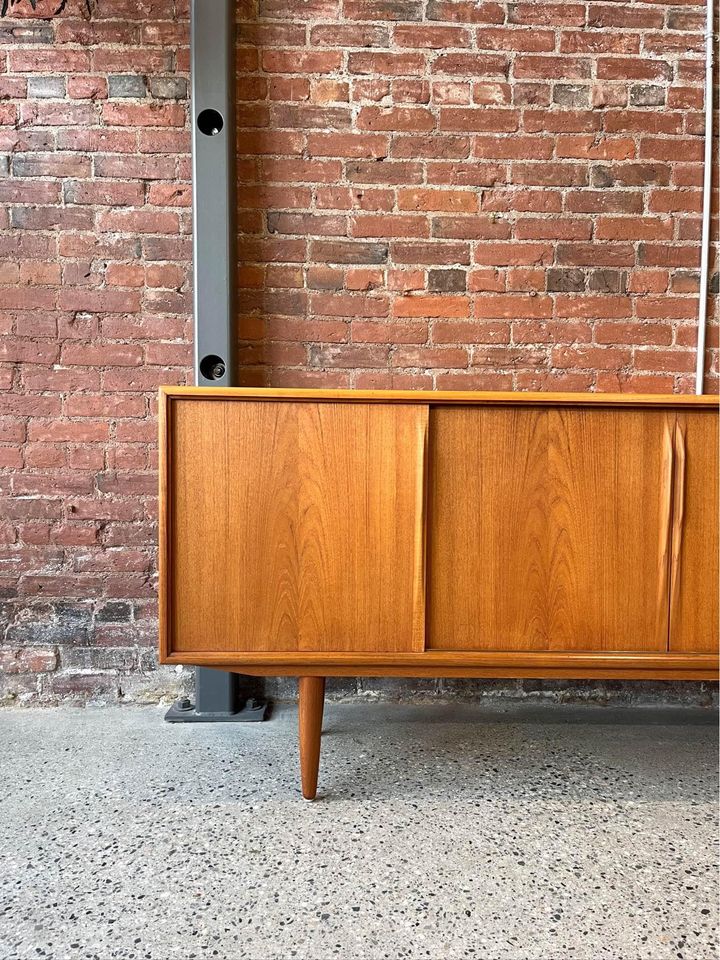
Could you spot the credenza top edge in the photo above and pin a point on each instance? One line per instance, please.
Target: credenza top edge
(440, 397)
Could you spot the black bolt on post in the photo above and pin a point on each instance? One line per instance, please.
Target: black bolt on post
(212, 51)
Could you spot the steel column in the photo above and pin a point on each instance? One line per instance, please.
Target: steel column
(212, 52)
(212, 47)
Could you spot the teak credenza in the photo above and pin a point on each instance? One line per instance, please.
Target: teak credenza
(338, 533)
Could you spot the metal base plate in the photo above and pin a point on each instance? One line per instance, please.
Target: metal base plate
(183, 711)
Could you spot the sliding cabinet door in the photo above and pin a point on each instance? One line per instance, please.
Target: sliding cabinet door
(694, 580)
(549, 529)
(296, 526)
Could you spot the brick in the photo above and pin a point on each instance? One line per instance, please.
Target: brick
(630, 174)
(672, 360)
(390, 172)
(431, 306)
(608, 281)
(463, 119)
(386, 64)
(354, 145)
(430, 36)
(447, 281)
(432, 147)
(350, 35)
(604, 94)
(593, 306)
(348, 355)
(491, 93)
(604, 201)
(348, 305)
(550, 174)
(511, 306)
(397, 118)
(525, 201)
(168, 88)
(470, 331)
(638, 121)
(87, 88)
(429, 358)
(348, 252)
(591, 42)
(143, 115)
(620, 68)
(647, 95)
(634, 228)
(127, 85)
(621, 15)
(15, 660)
(657, 148)
(390, 226)
(43, 86)
(588, 357)
(513, 147)
(596, 254)
(514, 254)
(103, 193)
(473, 64)
(367, 331)
(551, 228)
(521, 279)
(304, 223)
(470, 228)
(465, 11)
(571, 95)
(595, 148)
(330, 91)
(640, 334)
(383, 9)
(568, 281)
(548, 68)
(50, 165)
(458, 201)
(561, 121)
(466, 174)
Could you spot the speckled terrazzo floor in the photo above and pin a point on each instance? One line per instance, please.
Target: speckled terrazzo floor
(440, 832)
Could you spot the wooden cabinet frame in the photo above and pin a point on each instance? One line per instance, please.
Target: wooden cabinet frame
(671, 664)
(690, 437)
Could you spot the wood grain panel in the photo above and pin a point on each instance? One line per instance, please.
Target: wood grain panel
(694, 620)
(487, 497)
(548, 529)
(296, 526)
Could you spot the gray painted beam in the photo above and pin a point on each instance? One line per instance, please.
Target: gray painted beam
(212, 49)
(213, 139)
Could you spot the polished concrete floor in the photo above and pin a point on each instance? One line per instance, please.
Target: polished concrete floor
(440, 832)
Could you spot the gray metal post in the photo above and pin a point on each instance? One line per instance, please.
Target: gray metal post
(213, 140)
(212, 51)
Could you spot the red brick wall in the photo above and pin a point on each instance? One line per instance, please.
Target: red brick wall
(432, 194)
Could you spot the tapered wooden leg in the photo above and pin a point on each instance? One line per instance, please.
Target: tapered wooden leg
(310, 714)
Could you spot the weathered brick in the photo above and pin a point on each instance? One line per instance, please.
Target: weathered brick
(349, 252)
(128, 85)
(571, 95)
(447, 281)
(647, 95)
(572, 280)
(46, 86)
(168, 88)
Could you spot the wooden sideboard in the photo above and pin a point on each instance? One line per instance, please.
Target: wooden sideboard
(338, 533)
